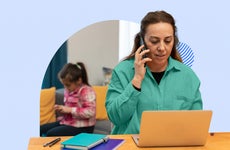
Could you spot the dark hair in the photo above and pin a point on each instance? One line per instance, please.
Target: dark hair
(153, 18)
(72, 72)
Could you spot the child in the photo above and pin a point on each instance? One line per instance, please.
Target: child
(79, 109)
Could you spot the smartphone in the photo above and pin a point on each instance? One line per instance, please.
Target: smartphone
(143, 43)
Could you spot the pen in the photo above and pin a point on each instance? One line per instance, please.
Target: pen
(52, 142)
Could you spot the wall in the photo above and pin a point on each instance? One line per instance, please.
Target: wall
(96, 45)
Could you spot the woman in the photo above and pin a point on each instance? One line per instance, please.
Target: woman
(156, 82)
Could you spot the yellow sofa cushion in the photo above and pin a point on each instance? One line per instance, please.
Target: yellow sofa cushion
(101, 113)
(47, 101)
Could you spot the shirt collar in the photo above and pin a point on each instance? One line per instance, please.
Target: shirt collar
(172, 64)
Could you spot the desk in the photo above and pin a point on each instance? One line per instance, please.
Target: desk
(219, 141)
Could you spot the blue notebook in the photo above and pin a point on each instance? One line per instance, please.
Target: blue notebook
(111, 144)
(84, 141)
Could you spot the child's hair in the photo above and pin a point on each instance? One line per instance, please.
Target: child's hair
(72, 72)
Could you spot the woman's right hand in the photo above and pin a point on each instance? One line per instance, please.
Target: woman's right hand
(139, 65)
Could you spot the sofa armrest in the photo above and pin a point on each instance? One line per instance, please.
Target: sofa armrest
(103, 127)
(59, 99)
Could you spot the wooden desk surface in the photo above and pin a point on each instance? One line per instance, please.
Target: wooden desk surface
(219, 141)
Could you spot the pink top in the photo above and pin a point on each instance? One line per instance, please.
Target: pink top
(83, 103)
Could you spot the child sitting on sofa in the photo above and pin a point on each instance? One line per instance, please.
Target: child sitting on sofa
(79, 109)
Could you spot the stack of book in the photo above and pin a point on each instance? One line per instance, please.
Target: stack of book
(91, 141)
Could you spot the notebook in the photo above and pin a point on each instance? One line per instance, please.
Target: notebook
(173, 128)
(111, 144)
(84, 141)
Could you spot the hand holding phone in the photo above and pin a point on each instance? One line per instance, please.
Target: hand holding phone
(143, 43)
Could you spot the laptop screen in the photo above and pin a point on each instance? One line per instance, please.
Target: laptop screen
(174, 128)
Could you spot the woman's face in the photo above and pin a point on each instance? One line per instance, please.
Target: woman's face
(159, 38)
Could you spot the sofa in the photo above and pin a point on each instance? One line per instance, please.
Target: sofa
(51, 96)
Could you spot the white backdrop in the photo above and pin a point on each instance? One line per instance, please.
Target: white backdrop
(32, 31)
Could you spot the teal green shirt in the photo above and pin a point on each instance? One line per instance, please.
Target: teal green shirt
(178, 90)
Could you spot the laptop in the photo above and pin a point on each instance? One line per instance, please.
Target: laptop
(173, 128)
